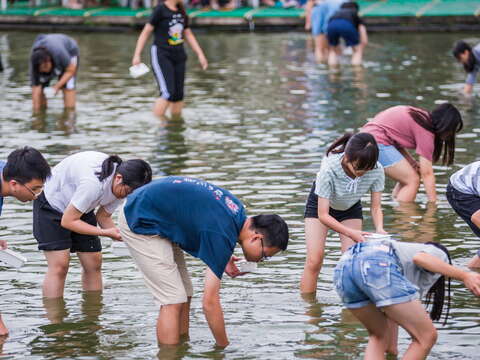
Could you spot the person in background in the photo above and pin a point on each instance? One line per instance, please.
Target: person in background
(430, 134)
(53, 55)
(346, 24)
(348, 172)
(169, 23)
(176, 214)
(317, 15)
(22, 177)
(382, 283)
(470, 59)
(463, 194)
(64, 217)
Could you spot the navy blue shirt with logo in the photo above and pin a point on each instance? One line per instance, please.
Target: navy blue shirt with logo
(203, 219)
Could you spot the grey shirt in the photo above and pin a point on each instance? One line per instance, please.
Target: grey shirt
(63, 50)
(418, 276)
(472, 75)
(467, 179)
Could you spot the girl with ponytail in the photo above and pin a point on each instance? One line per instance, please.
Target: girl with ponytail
(76, 208)
(348, 172)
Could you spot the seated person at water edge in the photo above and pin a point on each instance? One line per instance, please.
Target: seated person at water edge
(382, 283)
(22, 177)
(470, 59)
(317, 15)
(176, 213)
(463, 194)
(345, 23)
(53, 55)
(430, 134)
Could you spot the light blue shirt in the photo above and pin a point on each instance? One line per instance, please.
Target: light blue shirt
(473, 75)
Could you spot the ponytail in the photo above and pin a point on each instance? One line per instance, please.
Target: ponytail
(108, 167)
(340, 142)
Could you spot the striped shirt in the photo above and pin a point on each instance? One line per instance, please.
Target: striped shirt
(343, 192)
(467, 180)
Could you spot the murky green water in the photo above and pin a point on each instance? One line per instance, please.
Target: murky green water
(256, 122)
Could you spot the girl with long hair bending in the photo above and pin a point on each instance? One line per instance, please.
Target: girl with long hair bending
(430, 134)
(348, 172)
(64, 216)
(169, 23)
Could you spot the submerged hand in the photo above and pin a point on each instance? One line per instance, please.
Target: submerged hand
(3, 244)
(472, 282)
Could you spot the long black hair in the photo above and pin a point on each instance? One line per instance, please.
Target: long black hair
(39, 56)
(459, 48)
(135, 172)
(444, 122)
(360, 149)
(436, 295)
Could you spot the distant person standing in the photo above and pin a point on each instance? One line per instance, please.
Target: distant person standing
(53, 55)
(346, 24)
(470, 59)
(169, 23)
(317, 15)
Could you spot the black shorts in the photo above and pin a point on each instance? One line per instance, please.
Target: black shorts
(465, 205)
(51, 236)
(311, 209)
(169, 69)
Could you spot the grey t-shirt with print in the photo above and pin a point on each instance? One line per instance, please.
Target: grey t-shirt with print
(418, 276)
(334, 184)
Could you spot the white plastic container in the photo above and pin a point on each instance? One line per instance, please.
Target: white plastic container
(49, 92)
(138, 70)
(119, 248)
(12, 258)
(246, 266)
(375, 236)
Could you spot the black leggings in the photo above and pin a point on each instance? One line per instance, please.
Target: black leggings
(169, 69)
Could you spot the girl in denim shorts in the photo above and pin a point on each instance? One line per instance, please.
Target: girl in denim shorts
(348, 172)
(382, 282)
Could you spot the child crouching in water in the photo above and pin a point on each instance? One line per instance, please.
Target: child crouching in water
(382, 282)
(348, 172)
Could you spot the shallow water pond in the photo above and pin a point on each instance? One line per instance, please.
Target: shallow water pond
(257, 122)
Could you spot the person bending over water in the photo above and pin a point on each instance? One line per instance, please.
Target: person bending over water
(470, 59)
(64, 217)
(22, 177)
(176, 214)
(399, 128)
(53, 55)
(382, 284)
(348, 172)
(169, 23)
(463, 194)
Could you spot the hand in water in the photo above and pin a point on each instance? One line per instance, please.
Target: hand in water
(3, 244)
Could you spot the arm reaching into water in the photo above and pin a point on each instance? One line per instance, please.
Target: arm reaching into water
(212, 308)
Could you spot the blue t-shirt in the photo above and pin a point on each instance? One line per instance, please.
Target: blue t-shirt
(2, 165)
(203, 219)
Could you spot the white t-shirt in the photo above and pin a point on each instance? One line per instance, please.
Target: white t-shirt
(418, 276)
(73, 181)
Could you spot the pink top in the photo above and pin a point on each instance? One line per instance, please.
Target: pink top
(394, 126)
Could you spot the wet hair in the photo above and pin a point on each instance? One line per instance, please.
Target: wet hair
(459, 48)
(135, 172)
(26, 164)
(436, 295)
(273, 228)
(444, 121)
(360, 149)
(39, 56)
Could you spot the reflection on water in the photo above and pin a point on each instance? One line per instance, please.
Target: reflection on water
(257, 122)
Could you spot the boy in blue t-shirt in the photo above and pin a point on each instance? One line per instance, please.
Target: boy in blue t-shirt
(22, 177)
(177, 213)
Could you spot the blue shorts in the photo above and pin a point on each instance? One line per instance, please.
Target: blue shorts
(370, 273)
(318, 20)
(341, 28)
(388, 155)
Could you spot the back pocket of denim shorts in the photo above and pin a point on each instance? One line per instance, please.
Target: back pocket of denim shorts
(376, 273)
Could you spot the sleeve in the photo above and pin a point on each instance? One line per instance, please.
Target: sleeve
(62, 58)
(379, 183)
(156, 16)
(323, 185)
(425, 143)
(111, 207)
(87, 194)
(471, 77)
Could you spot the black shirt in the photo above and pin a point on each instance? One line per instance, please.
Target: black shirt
(349, 15)
(168, 27)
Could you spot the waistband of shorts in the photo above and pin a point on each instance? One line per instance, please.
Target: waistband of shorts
(370, 246)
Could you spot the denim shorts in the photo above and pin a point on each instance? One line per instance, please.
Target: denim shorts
(318, 20)
(389, 155)
(370, 272)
